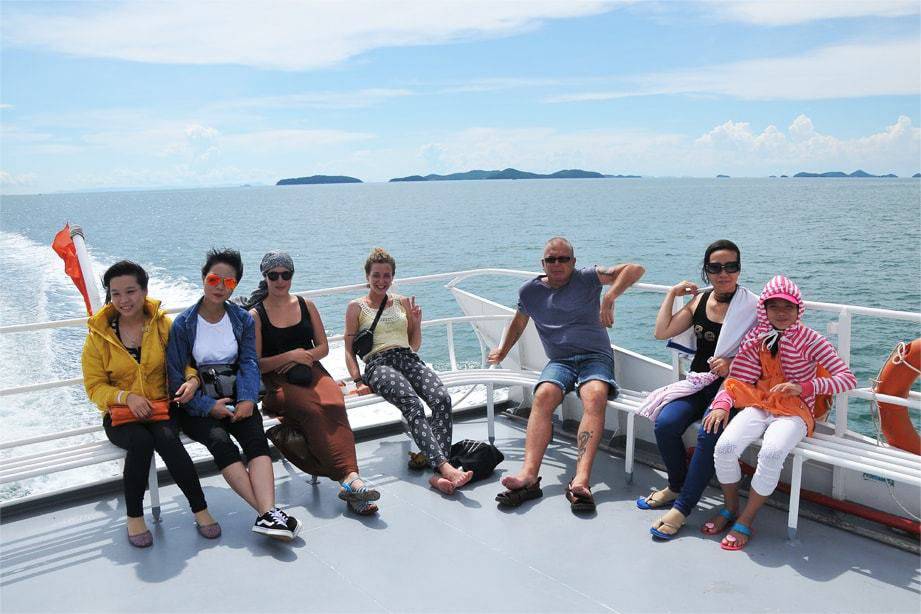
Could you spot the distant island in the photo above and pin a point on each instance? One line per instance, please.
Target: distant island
(722, 177)
(511, 173)
(859, 174)
(318, 179)
(916, 175)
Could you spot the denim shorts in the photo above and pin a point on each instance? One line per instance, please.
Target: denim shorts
(570, 373)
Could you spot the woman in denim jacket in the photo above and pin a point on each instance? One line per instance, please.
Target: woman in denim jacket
(217, 332)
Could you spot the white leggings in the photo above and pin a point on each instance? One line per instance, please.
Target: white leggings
(781, 434)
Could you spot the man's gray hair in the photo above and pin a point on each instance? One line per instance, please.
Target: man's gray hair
(564, 241)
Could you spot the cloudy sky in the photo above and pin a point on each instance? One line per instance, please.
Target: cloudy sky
(160, 94)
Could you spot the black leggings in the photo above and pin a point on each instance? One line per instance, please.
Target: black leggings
(139, 440)
(215, 435)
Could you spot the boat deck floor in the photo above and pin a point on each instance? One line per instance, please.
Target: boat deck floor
(430, 553)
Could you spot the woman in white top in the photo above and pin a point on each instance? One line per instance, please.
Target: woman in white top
(394, 370)
(216, 336)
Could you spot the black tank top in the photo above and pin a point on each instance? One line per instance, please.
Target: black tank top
(279, 340)
(707, 332)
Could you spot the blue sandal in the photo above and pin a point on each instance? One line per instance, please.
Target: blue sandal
(362, 493)
(650, 503)
(730, 518)
(675, 527)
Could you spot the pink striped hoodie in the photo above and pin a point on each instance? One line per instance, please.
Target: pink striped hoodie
(801, 350)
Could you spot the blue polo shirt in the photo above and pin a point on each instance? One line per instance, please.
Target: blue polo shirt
(567, 318)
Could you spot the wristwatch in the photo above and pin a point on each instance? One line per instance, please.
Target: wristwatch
(358, 380)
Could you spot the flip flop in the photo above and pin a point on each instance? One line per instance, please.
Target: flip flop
(580, 503)
(733, 542)
(665, 523)
(514, 497)
(362, 493)
(650, 503)
(708, 528)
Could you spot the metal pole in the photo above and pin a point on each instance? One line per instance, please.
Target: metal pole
(86, 266)
(452, 357)
(838, 488)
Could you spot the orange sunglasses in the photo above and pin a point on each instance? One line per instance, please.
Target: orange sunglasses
(213, 279)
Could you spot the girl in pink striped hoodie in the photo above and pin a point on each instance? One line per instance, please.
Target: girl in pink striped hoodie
(774, 378)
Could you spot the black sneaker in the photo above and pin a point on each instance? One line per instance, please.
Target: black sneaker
(291, 522)
(274, 524)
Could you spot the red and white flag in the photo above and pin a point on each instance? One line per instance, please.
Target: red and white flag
(63, 244)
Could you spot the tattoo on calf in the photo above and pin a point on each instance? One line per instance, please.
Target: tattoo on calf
(584, 436)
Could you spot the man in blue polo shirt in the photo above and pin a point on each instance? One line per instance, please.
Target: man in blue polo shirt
(566, 306)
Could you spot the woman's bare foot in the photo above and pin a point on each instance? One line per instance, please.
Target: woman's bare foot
(461, 478)
(457, 477)
(670, 522)
(136, 525)
(718, 523)
(735, 540)
(520, 480)
(442, 484)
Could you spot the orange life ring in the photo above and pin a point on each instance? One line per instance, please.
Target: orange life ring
(896, 378)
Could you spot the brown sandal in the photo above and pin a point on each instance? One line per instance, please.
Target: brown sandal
(579, 502)
(514, 497)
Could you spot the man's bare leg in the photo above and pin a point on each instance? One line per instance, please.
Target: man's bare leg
(594, 395)
(540, 428)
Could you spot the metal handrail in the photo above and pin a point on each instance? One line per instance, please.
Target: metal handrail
(447, 322)
(458, 276)
(843, 326)
(18, 328)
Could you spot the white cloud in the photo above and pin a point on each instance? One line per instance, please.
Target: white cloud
(498, 84)
(308, 142)
(5, 106)
(736, 145)
(839, 71)
(318, 100)
(280, 35)
(790, 12)
(16, 180)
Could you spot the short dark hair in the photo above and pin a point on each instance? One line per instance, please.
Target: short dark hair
(120, 269)
(227, 256)
(715, 247)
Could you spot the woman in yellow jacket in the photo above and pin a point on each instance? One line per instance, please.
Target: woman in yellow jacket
(124, 363)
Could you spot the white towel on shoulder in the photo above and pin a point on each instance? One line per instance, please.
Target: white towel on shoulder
(740, 317)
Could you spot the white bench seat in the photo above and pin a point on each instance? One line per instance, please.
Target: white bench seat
(882, 461)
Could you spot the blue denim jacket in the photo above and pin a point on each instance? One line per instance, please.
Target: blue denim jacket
(179, 354)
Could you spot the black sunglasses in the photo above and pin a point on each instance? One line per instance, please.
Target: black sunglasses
(713, 268)
(274, 275)
(555, 259)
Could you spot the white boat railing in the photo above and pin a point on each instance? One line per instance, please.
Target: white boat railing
(841, 326)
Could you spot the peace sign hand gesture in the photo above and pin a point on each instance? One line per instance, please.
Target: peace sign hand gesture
(415, 312)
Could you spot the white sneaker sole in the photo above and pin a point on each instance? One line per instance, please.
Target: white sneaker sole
(282, 534)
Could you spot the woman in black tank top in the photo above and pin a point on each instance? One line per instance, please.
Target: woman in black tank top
(315, 433)
(706, 331)
(704, 314)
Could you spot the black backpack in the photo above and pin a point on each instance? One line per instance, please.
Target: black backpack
(477, 456)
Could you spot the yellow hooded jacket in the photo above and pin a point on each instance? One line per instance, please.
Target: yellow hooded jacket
(108, 368)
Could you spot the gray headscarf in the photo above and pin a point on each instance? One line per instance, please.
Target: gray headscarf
(271, 260)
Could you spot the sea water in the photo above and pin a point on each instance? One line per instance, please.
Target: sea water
(855, 241)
